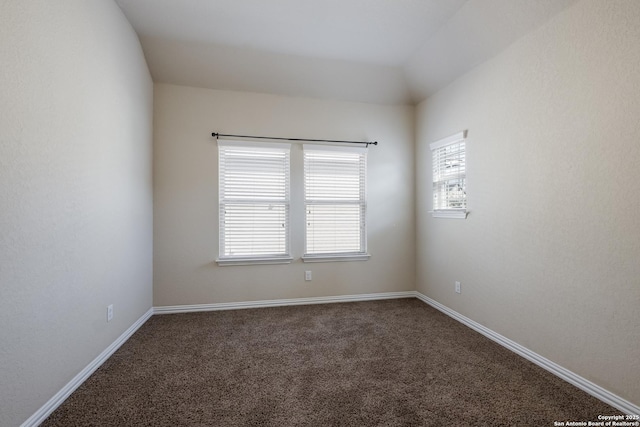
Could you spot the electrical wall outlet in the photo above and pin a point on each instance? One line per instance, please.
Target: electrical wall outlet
(109, 312)
(307, 275)
(457, 287)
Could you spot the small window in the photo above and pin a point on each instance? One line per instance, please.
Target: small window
(449, 177)
(254, 202)
(335, 203)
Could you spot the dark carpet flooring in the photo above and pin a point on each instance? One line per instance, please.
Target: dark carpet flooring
(378, 363)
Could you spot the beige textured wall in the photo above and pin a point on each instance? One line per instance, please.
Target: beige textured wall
(75, 192)
(550, 253)
(186, 198)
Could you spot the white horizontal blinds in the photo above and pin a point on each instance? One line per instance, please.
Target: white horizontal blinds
(335, 200)
(254, 199)
(449, 173)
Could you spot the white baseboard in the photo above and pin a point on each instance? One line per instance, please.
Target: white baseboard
(570, 377)
(172, 309)
(53, 403)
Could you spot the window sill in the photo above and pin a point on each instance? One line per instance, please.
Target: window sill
(455, 214)
(253, 261)
(335, 258)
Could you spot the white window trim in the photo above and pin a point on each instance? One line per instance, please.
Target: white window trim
(224, 262)
(257, 260)
(452, 139)
(450, 213)
(338, 257)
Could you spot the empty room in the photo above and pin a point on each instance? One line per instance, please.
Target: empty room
(319, 213)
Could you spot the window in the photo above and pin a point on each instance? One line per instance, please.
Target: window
(449, 177)
(335, 203)
(254, 202)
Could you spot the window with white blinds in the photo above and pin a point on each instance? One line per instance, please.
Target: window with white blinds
(254, 201)
(449, 176)
(335, 201)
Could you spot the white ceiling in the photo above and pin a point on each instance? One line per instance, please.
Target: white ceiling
(382, 51)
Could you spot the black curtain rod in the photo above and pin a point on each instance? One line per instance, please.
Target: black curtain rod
(216, 135)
